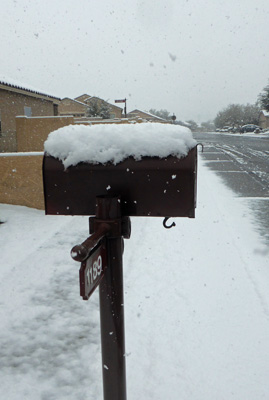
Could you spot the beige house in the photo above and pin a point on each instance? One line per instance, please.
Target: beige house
(70, 107)
(145, 116)
(20, 101)
(264, 119)
(115, 111)
(79, 107)
(83, 97)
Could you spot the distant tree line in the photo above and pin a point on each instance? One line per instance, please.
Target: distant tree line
(234, 115)
(163, 113)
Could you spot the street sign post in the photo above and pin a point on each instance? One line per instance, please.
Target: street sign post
(123, 101)
(120, 101)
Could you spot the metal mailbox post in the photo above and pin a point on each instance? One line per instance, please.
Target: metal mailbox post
(112, 193)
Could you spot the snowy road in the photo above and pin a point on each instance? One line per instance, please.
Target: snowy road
(242, 161)
(239, 158)
(196, 306)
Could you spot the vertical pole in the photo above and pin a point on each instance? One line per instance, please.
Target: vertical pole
(111, 308)
(125, 108)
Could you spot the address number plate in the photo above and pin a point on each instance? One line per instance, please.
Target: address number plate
(92, 271)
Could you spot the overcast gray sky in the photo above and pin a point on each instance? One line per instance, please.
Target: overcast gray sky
(191, 57)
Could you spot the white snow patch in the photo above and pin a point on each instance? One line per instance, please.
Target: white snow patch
(114, 143)
(20, 85)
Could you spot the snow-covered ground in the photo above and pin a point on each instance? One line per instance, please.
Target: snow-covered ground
(247, 134)
(196, 306)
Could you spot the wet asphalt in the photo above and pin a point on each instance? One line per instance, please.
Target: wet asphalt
(242, 162)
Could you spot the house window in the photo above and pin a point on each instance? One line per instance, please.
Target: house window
(27, 111)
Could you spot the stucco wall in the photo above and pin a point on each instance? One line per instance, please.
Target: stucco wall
(21, 180)
(12, 105)
(264, 121)
(32, 132)
(71, 107)
(8, 142)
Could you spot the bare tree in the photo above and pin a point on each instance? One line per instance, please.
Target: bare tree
(161, 113)
(236, 115)
(263, 98)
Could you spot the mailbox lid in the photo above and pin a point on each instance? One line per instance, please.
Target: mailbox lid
(151, 186)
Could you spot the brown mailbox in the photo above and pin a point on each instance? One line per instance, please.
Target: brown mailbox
(152, 186)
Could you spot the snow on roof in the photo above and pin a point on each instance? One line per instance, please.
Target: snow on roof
(90, 97)
(18, 85)
(75, 101)
(185, 123)
(265, 113)
(114, 143)
(99, 98)
(82, 95)
(146, 112)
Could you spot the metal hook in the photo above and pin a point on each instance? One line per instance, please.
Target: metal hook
(168, 226)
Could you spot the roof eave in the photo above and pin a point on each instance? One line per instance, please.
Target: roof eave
(28, 92)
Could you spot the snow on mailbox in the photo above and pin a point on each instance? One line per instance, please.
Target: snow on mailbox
(152, 166)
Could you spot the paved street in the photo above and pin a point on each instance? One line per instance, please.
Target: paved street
(243, 164)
